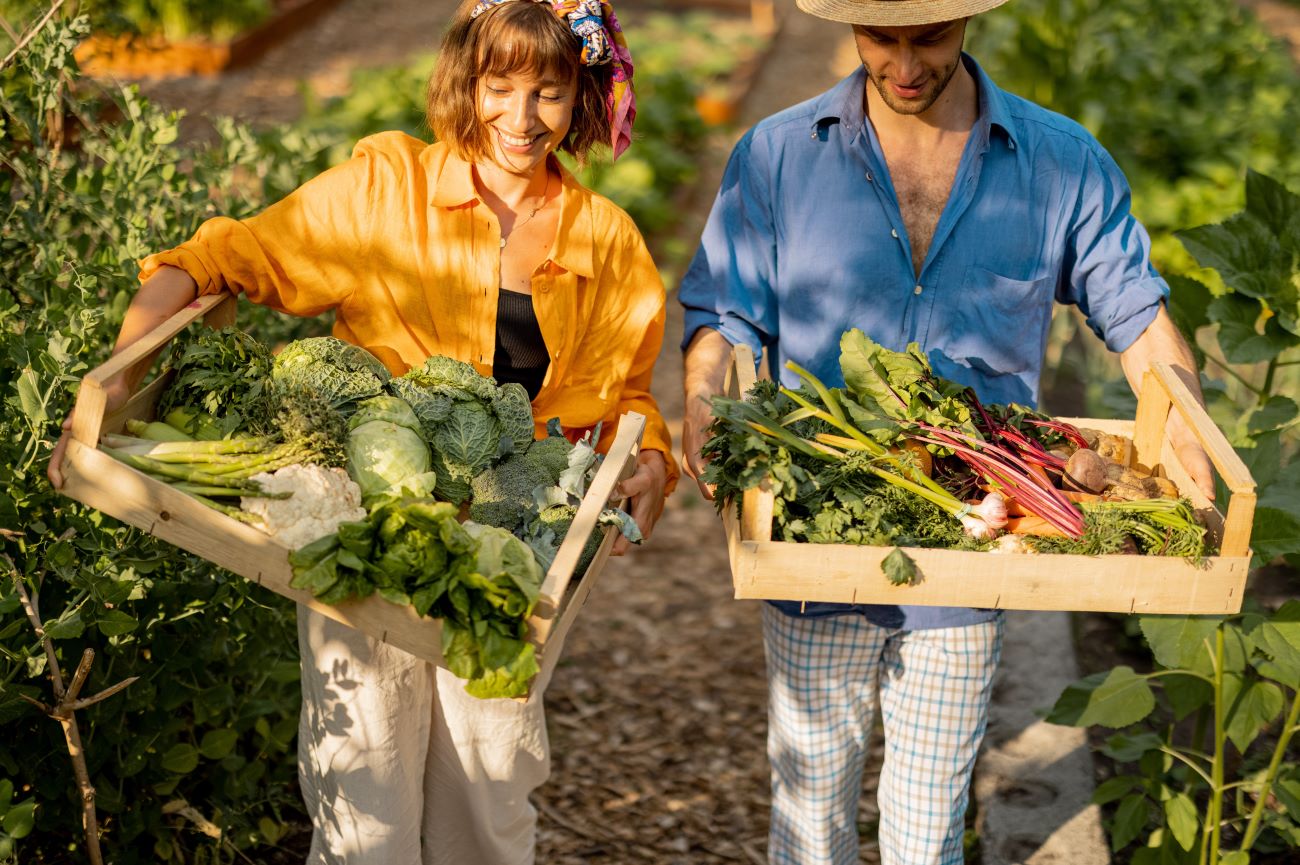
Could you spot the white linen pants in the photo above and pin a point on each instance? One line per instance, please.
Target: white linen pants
(825, 678)
(399, 766)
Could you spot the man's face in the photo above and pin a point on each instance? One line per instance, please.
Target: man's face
(910, 66)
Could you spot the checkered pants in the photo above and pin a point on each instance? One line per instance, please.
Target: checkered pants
(825, 676)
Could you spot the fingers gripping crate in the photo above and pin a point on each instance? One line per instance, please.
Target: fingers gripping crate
(772, 570)
(96, 479)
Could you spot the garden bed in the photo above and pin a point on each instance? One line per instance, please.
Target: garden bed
(155, 56)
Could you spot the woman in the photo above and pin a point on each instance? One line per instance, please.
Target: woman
(481, 247)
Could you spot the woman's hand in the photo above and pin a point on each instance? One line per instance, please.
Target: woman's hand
(646, 489)
(116, 393)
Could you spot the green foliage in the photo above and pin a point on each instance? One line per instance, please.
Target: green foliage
(224, 374)
(480, 581)
(213, 716)
(1183, 107)
(1254, 322)
(1239, 677)
(173, 19)
(899, 386)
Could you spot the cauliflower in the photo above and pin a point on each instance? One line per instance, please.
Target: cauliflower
(322, 499)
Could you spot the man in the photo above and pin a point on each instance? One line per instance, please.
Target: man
(919, 202)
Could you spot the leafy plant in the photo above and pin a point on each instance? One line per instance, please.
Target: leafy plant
(205, 736)
(1255, 343)
(1223, 783)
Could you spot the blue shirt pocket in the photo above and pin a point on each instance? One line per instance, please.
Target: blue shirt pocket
(996, 333)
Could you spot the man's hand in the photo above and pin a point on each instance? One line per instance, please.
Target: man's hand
(1162, 341)
(707, 359)
(695, 432)
(116, 393)
(646, 490)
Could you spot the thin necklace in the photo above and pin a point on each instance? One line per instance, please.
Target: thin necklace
(521, 223)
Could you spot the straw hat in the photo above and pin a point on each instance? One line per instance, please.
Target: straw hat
(895, 13)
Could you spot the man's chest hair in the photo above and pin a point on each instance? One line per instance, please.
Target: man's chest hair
(922, 190)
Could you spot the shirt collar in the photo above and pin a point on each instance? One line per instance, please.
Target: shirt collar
(452, 185)
(843, 103)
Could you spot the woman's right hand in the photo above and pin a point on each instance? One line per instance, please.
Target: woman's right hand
(161, 296)
(116, 393)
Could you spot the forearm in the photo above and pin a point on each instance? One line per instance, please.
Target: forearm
(161, 296)
(706, 361)
(1162, 341)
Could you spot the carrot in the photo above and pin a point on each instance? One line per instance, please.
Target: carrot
(1014, 508)
(1040, 473)
(1032, 525)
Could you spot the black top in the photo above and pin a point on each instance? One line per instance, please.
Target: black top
(521, 354)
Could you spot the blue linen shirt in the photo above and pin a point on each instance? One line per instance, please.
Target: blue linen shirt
(806, 240)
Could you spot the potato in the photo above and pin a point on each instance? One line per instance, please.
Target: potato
(1160, 488)
(1117, 449)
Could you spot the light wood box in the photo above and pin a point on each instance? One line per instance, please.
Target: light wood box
(772, 570)
(96, 479)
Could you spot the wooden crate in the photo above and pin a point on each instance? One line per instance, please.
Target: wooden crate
(96, 479)
(772, 570)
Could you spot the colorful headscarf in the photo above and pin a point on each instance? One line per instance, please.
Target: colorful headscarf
(594, 22)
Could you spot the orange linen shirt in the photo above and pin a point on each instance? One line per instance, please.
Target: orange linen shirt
(397, 242)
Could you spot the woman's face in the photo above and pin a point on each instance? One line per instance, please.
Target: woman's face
(527, 116)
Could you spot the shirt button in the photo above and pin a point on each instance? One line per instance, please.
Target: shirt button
(916, 290)
(868, 176)
(893, 232)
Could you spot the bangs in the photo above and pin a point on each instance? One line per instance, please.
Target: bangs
(526, 38)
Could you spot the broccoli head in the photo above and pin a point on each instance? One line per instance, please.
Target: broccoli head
(502, 495)
(557, 520)
(552, 453)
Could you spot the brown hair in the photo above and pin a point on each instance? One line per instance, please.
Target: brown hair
(511, 37)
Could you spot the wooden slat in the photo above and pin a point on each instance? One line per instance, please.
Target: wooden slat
(619, 464)
(1119, 583)
(88, 415)
(1149, 424)
(1225, 459)
(742, 359)
(98, 480)
(157, 338)
(1241, 503)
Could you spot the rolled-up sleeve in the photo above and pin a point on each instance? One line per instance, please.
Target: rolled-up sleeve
(633, 267)
(302, 255)
(729, 285)
(1107, 266)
